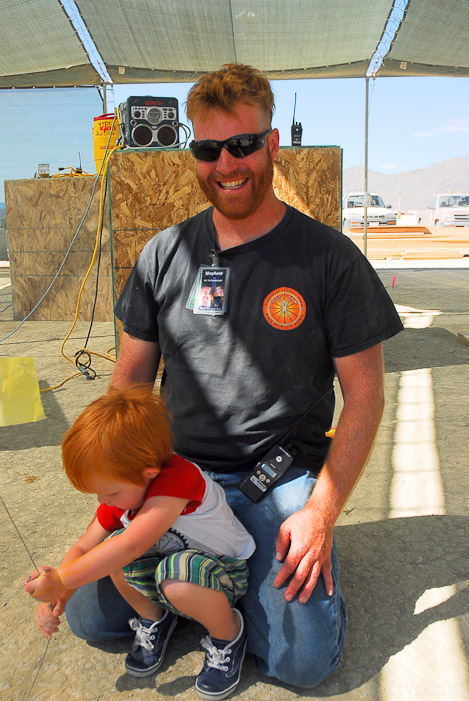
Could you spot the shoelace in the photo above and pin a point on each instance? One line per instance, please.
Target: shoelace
(143, 636)
(215, 657)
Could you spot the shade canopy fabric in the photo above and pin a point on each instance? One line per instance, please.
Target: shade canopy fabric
(158, 41)
(40, 48)
(154, 40)
(433, 40)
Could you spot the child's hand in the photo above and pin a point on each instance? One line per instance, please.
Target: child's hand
(47, 618)
(45, 585)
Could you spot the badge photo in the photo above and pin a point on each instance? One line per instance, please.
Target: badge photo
(210, 292)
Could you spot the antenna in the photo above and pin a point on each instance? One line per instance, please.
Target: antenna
(296, 129)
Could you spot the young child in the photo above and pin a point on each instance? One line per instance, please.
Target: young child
(176, 546)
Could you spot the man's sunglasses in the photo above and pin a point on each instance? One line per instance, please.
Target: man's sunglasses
(238, 146)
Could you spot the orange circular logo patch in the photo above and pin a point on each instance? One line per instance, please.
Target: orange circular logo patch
(284, 308)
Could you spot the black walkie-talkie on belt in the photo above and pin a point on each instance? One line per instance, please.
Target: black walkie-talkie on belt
(267, 471)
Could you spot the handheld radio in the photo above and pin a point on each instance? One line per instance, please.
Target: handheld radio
(270, 468)
(266, 472)
(296, 129)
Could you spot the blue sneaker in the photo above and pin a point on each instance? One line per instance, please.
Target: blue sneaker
(149, 646)
(222, 666)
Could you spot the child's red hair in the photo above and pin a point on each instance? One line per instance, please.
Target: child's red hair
(118, 435)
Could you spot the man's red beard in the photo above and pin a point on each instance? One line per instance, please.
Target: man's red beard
(242, 206)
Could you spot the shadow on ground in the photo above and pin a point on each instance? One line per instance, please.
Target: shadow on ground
(39, 434)
(432, 347)
(386, 566)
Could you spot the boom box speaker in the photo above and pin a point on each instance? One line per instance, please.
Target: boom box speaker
(149, 122)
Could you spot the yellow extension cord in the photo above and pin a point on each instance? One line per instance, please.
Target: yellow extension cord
(74, 173)
(95, 252)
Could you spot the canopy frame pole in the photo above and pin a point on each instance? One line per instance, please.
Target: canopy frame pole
(366, 198)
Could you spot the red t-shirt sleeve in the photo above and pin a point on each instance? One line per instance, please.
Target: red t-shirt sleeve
(109, 517)
(179, 478)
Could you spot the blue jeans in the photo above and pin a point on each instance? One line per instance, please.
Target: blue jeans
(299, 644)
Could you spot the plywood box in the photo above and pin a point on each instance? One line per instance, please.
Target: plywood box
(149, 190)
(43, 217)
(152, 190)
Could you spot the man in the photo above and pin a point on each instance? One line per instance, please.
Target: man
(300, 304)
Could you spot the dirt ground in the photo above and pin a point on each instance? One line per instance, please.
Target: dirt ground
(402, 537)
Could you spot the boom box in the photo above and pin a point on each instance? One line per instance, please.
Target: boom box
(149, 122)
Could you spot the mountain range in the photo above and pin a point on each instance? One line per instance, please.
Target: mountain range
(416, 187)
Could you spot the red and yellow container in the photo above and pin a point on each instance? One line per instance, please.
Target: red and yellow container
(102, 126)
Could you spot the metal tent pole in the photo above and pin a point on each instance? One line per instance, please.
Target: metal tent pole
(365, 213)
(104, 99)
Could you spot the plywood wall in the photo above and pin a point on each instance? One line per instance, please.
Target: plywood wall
(310, 179)
(43, 217)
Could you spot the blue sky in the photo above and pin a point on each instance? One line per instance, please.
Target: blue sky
(413, 122)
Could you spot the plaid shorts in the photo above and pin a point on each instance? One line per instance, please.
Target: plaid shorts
(221, 573)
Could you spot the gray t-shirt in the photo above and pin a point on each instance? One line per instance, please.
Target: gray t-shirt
(237, 383)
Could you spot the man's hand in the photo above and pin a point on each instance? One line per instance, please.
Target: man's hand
(305, 543)
(47, 617)
(305, 539)
(45, 584)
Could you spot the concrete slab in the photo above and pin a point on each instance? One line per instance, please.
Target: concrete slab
(402, 538)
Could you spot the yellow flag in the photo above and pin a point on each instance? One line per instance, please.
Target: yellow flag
(20, 400)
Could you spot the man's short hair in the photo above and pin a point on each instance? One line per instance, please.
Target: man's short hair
(232, 83)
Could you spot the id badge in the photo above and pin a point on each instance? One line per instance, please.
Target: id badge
(209, 294)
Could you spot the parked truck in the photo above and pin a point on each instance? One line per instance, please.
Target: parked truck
(446, 209)
(378, 214)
